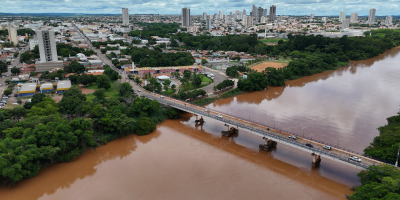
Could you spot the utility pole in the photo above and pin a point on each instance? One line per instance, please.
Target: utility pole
(397, 159)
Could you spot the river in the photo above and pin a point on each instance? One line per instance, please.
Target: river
(183, 161)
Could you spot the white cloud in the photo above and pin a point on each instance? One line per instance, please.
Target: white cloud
(285, 7)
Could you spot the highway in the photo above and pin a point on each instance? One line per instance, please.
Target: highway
(335, 154)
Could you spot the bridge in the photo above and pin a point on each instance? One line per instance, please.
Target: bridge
(336, 154)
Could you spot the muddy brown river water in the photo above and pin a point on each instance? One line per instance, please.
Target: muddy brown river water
(183, 161)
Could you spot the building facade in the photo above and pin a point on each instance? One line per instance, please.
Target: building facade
(354, 18)
(221, 15)
(186, 17)
(47, 45)
(388, 20)
(125, 16)
(208, 24)
(204, 16)
(371, 16)
(272, 13)
(12, 34)
(342, 16)
(345, 24)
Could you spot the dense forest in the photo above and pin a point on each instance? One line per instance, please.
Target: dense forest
(45, 132)
(154, 58)
(155, 29)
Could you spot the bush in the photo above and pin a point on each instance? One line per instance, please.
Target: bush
(204, 101)
(145, 126)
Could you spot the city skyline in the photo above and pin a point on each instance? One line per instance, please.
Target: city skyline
(286, 7)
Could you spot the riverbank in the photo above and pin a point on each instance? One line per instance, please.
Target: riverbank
(228, 94)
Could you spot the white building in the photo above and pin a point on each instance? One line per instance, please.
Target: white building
(312, 16)
(186, 17)
(221, 15)
(354, 18)
(47, 45)
(204, 16)
(345, 24)
(227, 19)
(371, 17)
(33, 43)
(125, 16)
(323, 19)
(342, 16)
(263, 19)
(244, 13)
(388, 20)
(12, 34)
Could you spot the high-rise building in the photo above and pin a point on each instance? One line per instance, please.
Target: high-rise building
(237, 14)
(272, 13)
(186, 17)
(12, 34)
(263, 19)
(342, 16)
(125, 16)
(47, 45)
(345, 23)
(241, 15)
(230, 16)
(354, 18)
(265, 12)
(323, 19)
(260, 13)
(208, 24)
(280, 18)
(312, 16)
(371, 17)
(244, 12)
(204, 16)
(221, 15)
(227, 19)
(254, 11)
(388, 20)
(250, 20)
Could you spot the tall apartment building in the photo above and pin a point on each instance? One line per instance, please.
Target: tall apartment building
(47, 50)
(125, 16)
(208, 24)
(247, 21)
(237, 14)
(230, 16)
(323, 19)
(244, 12)
(345, 23)
(371, 16)
(388, 20)
(342, 16)
(312, 16)
(354, 18)
(221, 15)
(263, 19)
(265, 12)
(186, 17)
(204, 16)
(240, 15)
(254, 11)
(260, 13)
(12, 34)
(227, 19)
(272, 13)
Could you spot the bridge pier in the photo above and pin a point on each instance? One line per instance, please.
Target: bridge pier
(316, 160)
(229, 131)
(199, 121)
(268, 144)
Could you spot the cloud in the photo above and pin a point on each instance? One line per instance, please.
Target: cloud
(284, 7)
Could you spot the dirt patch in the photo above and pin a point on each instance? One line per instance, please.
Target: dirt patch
(85, 90)
(260, 67)
(57, 98)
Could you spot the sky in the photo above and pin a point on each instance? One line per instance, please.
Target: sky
(283, 7)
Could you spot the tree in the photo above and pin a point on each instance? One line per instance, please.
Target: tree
(144, 126)
(203, 61)
(3, 67)
(254, 82)
(125, 89)
(173, 86)
(103, 82)
(75, 67)
(138, 79)
(15, 70)
(187, 74)
(100, 94)
(16, 54)
(166, 84)
(7, 92)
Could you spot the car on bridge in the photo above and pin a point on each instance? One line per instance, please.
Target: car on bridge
(218, 116)
(327, 147)
(355, 158)
(293, 137)
(310, 145)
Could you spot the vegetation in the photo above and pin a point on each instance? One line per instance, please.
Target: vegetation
(386, 145)
(190, 94)
(205, 101)
(44, 132)
(152, 29)
(231, 93)
(3, 67)
(380, 182)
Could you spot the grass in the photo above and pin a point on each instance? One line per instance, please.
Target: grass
(113, 91)
(231, 93)
(342, 64)
(272, 40)
(192, 87)
(234, 61)
(206, 79)
(205, 101)
(169, 92)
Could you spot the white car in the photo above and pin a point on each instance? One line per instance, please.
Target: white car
(355, 158)
(327, 147)
(218, 116)
(162, 96)
(293, 137)
(138, 90)
(206, 110)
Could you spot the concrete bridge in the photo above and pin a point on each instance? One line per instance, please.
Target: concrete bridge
(335, 154)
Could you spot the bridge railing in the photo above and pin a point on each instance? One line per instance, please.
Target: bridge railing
(189, 104)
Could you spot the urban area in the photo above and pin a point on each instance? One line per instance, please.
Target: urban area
(212, 105)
